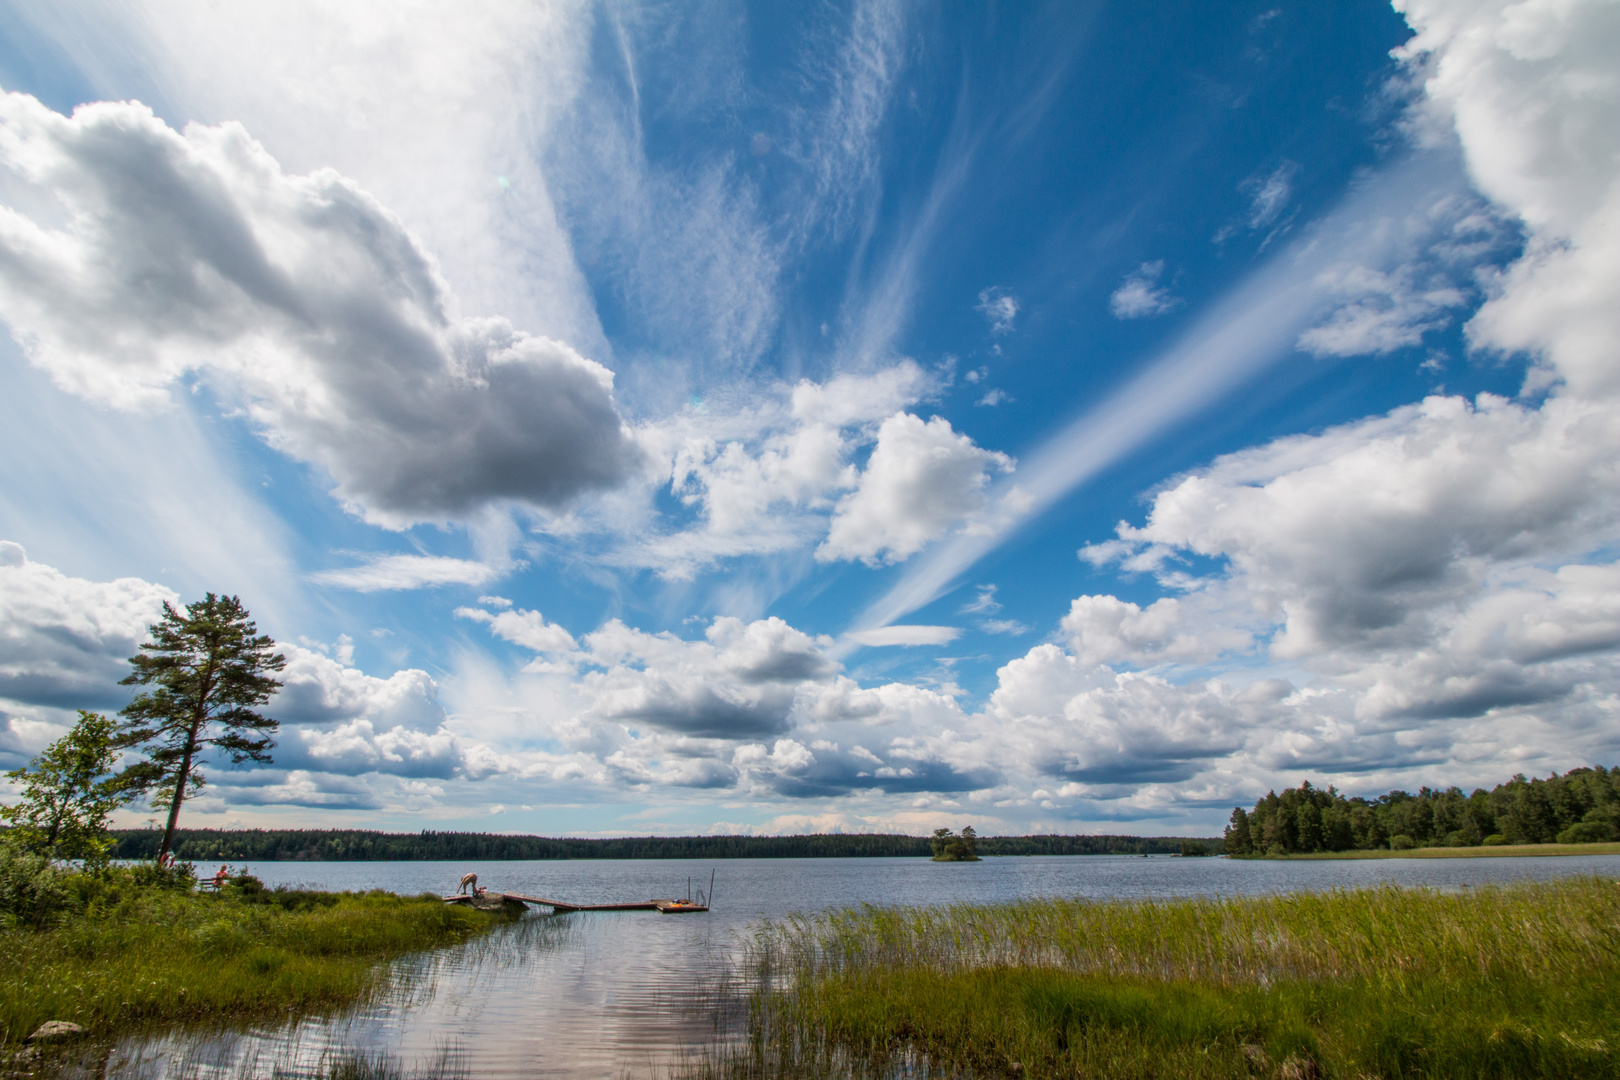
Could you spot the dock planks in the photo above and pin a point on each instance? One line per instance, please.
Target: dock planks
(667, 907)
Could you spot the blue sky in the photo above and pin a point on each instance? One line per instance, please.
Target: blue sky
(635, 419)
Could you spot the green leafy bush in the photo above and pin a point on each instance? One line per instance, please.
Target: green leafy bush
(244, 886)
(33, 892)
(179, 877)
(1587, 832)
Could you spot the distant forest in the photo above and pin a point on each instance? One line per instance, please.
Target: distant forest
(1582, 806)
(336, 845)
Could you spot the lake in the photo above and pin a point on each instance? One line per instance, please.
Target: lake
(611, 995)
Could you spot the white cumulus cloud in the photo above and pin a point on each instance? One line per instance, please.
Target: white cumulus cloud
(171, 252)
(1532, 92)
(922, 480)
(64, 641)
(526, 628)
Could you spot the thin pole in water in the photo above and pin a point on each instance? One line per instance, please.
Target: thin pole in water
(709, 900)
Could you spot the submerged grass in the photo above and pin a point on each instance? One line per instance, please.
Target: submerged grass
(155, 956)
(1507, 981)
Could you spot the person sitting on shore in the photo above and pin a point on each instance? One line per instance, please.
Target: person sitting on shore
(220, 876)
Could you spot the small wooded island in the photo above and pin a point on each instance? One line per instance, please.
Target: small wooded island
(953, 847)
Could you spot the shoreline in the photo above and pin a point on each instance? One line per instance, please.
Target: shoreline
(1511, 851)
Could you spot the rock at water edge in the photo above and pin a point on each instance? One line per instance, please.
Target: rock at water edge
(498, 902)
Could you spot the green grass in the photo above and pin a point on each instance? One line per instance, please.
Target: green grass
(1493, 982)
(1495, 852)
(155, 956)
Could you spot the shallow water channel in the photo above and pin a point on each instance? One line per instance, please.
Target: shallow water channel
(616, 995)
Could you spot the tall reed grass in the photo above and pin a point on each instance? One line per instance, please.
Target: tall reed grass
(1519, 980)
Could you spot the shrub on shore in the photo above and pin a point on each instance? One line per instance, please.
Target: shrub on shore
(126, 946)
(1382, 982)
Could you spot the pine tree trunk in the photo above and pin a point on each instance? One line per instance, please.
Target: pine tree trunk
(174, 815)
(179, 794)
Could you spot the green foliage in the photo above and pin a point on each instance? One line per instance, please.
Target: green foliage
(1194, 848)
(951, 847)
(1383, 982)
(354, 845)
(1587, 832)
(178, 876)
(1308, 819)
(68, 792)
(209, 671)
(33, 891)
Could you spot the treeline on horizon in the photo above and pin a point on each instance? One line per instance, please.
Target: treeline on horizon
(1580, 807)
(357, 845)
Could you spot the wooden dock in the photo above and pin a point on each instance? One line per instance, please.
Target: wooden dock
(493, 899)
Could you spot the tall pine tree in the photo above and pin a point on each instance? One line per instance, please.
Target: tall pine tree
(209, 670)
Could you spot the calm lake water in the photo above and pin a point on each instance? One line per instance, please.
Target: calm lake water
(613, 995)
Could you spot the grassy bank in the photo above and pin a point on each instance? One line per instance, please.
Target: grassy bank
(1497, 851)
(1513, 981)
(121, 955)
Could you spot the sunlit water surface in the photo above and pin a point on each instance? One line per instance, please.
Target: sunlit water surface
(623, 994)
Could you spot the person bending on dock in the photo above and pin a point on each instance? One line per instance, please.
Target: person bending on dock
(468, 880)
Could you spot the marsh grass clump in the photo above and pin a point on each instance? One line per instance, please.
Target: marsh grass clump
(126, 948)
(1493, 982)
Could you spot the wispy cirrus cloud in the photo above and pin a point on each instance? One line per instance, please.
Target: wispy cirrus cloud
(1140, 296)
(1381, 223)
(906, 636)
(382, 573)
(999, 307)
(1270, 195)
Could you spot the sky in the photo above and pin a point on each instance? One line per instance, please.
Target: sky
(755, 418)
